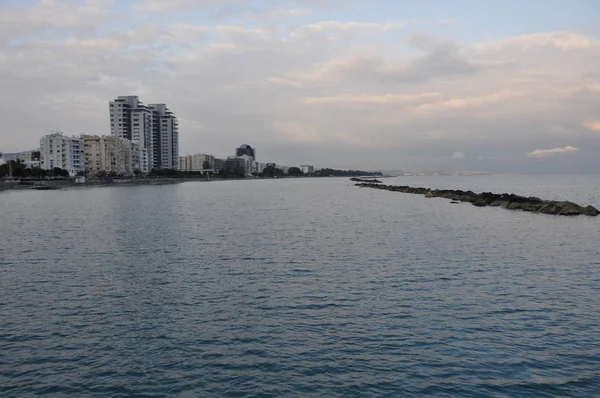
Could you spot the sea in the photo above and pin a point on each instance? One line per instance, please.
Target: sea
(299, 287)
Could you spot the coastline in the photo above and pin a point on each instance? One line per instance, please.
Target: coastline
(67, 184)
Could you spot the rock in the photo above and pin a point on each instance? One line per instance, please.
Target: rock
(590, 211)
(506, 200)
(534, 207)
(549, 208)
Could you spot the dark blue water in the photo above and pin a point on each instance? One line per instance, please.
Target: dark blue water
(305, 287)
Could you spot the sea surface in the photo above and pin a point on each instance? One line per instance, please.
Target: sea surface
(299, 287)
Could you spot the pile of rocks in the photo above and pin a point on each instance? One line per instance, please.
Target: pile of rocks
(505, 200)
(358, 179)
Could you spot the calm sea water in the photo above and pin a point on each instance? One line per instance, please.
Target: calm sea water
(308, 287)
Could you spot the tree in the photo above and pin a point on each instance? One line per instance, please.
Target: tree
(101, 174)
(295, 172)
(137, 172)
(235, 173)
(271, 171)
(206, 165)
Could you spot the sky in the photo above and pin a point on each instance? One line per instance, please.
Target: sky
(498, 86)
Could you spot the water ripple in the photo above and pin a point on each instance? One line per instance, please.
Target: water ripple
(297, 288)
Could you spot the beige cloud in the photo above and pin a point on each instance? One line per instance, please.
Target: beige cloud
(163, 6)
(282, 13)
(338, 30)
(466, 103)
(370, 99)
(562, 40)
(594, 126)
(54, 15)
(539, 153)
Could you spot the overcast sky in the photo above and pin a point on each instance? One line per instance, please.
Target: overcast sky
(502, 86)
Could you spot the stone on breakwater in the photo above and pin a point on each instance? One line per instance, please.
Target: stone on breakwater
(508, 201)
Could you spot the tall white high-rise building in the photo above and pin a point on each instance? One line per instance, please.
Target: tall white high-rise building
(58, 150)
(130, 119)
(153, 126)
(165, 130)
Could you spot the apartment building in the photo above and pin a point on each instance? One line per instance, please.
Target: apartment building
(111, 154)
(196, 162)
(153, 126)
(58, 150)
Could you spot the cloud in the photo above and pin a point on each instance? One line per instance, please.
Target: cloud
(342, 89)
(384, 99)
(166, 6)
(594, 126)
(341, 30)
(562, 40)
(52, 15)
(467, 103)
(540, 153)
(282, 13)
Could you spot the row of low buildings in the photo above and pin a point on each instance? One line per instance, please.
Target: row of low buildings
(89, 153)
(243, 160)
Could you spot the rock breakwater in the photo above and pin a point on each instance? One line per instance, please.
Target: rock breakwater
(357, 179)
(505, 200)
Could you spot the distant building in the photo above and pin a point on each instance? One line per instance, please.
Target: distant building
(307, 169)
(196, 162)
(259, 167)
(243, 163)
(111, 154)
(153, 126)
(218, 165)
(185, 163)
(130, 119)
(58, 150)
(246, 150)
(30, 159)
(165, 137)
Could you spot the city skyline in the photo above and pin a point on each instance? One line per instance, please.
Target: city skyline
(498, 87)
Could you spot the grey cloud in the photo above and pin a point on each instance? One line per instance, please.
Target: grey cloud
(377, 105)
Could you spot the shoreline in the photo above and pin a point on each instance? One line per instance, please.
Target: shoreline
(68, 184)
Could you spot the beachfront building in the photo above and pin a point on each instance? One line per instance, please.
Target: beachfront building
(154, 127)
(196, 162)
(58, 150)
(131, 120)
(244, 163)
(307, 169)
(246, 150)
(165, 132)
(111, 154)
(218, 164)
(259, 167)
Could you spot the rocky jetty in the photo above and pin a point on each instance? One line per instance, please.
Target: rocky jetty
(505, 200)
(356, 179)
